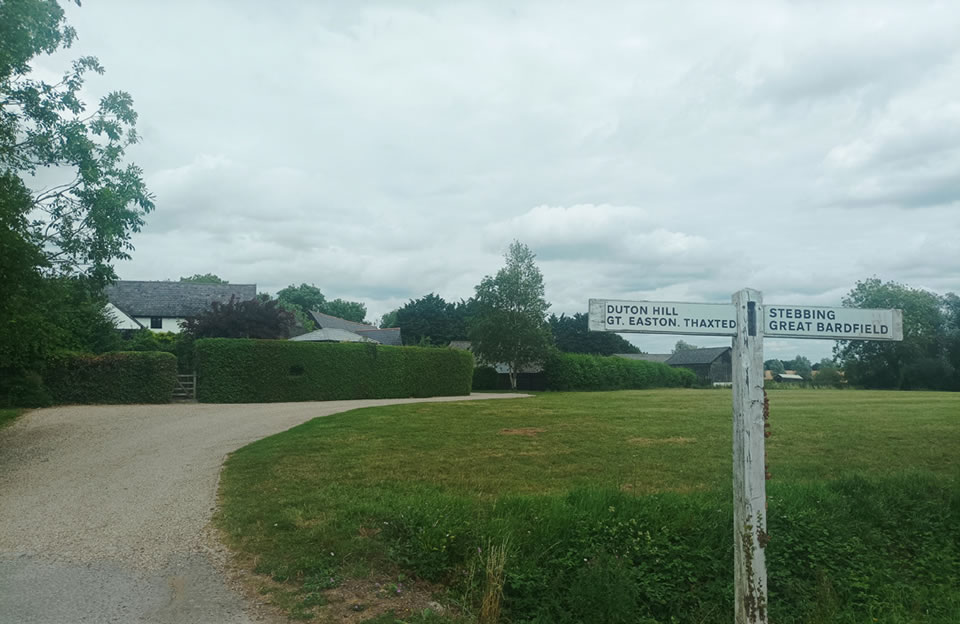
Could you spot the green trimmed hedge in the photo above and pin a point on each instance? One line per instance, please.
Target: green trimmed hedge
(118, 377)
(236, 370)
(573, 371)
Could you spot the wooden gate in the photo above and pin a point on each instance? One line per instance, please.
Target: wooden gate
(186, 387)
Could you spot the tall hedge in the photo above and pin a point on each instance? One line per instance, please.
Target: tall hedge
(233, 370)
(573, 371)
(118, 377)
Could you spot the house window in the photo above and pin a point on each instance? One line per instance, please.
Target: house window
(156, 322)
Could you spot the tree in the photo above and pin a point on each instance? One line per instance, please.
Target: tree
(800, 364)
(920, 360)
(206, 278)
(347, 310)
(82, 222)
(242, 319)
(510, 322)
(303, 321)
(306, 296)
(684, 346)
(824, 363)
(951, 308)
(828, 376)
(429, 319)
(571, 334)
(58, 243)
(388, 320)
(774, 366)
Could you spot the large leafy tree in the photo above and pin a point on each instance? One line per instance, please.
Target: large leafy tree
(205, 278)
(431, 320)
(309, 298)
(347, 310)
(68, 202)
(305, 296)
(775, 366)
(92, 201)
(801, 364)
(572, 335)
(921, 360)
(510, 324)
(683, 345)
(951, 309)
(388, 320)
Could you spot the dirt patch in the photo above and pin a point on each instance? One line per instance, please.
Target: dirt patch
(352, 602)
(522, 431)
(355, 601)
(654, 441)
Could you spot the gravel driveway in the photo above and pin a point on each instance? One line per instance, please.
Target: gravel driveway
(104, 510)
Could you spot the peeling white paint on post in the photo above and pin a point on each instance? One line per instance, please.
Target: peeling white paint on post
(749, 469)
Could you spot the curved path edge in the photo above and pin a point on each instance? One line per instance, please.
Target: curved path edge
(104, 510)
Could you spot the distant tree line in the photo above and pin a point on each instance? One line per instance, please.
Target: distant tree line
(432, 321)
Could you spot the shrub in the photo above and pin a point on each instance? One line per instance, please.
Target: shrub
(828, 376)
(251, 371)
(571, 371)
(119, 377)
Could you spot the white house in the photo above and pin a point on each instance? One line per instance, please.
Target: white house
(160, 306)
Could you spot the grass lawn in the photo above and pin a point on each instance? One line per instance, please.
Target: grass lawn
(637, 481)
(7, 416)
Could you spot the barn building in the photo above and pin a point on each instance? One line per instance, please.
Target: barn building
(711, 365)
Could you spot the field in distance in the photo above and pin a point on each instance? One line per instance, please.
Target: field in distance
(605, 507)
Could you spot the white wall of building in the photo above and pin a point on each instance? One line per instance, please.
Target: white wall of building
(170, 324)
(121, 320)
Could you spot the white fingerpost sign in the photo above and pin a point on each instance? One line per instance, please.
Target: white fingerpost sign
(836, 323)
(662, 317)
(747, 320)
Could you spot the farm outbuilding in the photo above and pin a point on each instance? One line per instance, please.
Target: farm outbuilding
(787, 377)
(711, 365)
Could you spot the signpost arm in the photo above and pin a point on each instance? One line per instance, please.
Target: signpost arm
(749, 471)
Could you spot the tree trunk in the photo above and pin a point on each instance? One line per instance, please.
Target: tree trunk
(513, 379)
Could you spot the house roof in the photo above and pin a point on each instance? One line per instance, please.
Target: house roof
(335, 322)
(173, 299)
(460, 344)
(697, 356)
(331, 334)
(387, 336)
(646, 357)
(787, 377)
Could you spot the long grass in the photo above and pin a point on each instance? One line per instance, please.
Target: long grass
(617, 504)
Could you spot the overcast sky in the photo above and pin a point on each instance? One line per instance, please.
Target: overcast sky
(385, 150)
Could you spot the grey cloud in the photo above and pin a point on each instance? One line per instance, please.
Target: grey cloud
(384, 150)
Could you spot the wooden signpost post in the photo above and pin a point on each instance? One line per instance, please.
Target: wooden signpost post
(747, 320)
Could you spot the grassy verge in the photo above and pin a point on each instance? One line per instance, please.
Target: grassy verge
(612, 507)
(7, 416)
